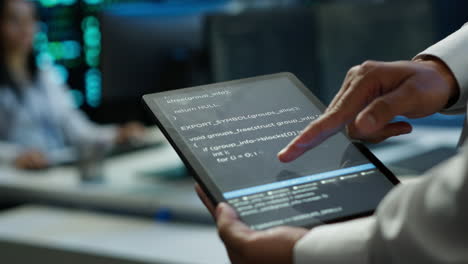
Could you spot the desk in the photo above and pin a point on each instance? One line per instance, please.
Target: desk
(41, 234)
(411, 146)
(125, 188)
(85, 237)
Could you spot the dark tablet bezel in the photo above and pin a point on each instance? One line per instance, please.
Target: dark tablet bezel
(195, 165)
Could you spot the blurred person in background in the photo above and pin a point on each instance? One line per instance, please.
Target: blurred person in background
(38, 120)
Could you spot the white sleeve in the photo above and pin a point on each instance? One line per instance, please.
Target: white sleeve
(345, 242)
(453, 51)
(420, 222)
(424, 221)
(78, 128)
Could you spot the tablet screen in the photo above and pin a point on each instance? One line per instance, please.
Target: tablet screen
(230, 134)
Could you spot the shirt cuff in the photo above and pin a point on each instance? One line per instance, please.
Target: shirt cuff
(346, 242)
(453, 51)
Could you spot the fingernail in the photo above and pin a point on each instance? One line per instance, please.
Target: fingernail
(281, 153)
(219, 209)
(408, 130)
(370, 121)
(283, 156)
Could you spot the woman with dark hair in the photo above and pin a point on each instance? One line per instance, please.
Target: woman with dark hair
(16, 38)
(38, 121)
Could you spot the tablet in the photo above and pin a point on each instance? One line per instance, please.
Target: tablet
(229, 134)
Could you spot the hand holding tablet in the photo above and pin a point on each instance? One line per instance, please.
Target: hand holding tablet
(230, 133)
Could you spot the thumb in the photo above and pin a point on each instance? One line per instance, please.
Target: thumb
(225, 212)
(382, 110)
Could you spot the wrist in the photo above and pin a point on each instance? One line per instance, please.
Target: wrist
(446, 74)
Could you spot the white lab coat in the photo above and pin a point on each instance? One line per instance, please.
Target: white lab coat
(45, 120)
(424, 221)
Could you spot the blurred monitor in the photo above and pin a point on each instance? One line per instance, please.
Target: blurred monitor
(151, 47)
(351, 33)
(264, 42)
